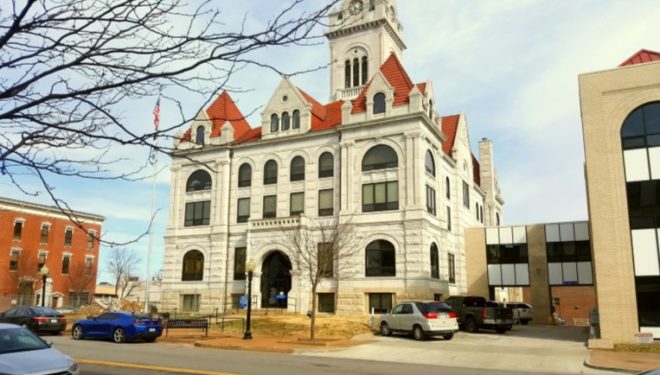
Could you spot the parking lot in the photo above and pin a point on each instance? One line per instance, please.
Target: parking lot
(554, 349)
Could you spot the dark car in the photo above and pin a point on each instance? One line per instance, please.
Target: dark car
(475, 313)
(118, 327)
(37, 319)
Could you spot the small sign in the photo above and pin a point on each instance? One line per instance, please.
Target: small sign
(243, 302)
(644, 337)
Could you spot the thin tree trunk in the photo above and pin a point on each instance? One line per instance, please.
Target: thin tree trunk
(313, 318)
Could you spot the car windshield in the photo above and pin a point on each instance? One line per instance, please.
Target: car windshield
(45, 311)
(19, 340)
(425, 308)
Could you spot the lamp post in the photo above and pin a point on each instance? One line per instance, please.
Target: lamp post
(250, 266)
(44, 276)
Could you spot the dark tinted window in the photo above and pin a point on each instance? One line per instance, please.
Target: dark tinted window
(380, 302)
(648, 300)
(570, 251)
(193, 266)
(379, 103)
(270, 172)
(429, 163)
(644, 204)
(298, 169)
(407, 309)
(19, 340)
(245, 175)
(198, 213)
(383, 196)
(425, 308)
(199, 180)
(44, 311)
(380, 259)
(642, 127)
(326, 165)
(380, 157)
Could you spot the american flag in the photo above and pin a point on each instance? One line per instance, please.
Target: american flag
(157, 116)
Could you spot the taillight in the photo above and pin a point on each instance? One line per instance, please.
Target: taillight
(138, 323)
(452, 314)
(484, 313)
(431, 315)
(40, 319)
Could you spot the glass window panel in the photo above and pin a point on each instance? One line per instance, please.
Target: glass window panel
(430, 164)
(631, 143)
(245, 175)
(652, 118)
(270, 172)
(379, 157)
(296, 119)
(325, 198)
(633, 125)
(239, 263)
(652, 140)
(380, 193)
(286, 121)
(270, 206)
(368, 194)
(393, 191)
(326, 165)
(297, 203)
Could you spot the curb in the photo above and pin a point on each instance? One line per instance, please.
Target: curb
(588, 364)
(150, 367)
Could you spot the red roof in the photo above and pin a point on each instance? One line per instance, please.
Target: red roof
(396, 75)
(224, 109)
(449, 128)
(476, 171)
(641, 57)
(249, 136)
(332, 117)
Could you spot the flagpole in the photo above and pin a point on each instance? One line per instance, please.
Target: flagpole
(154, 155)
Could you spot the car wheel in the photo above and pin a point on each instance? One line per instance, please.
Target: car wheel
(118, 336)
(524, 322)
(448, 336)
(418, 333)
(471, 325)
(385, 330)
(77, 333)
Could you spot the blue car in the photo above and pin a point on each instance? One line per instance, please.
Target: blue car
(119, 327)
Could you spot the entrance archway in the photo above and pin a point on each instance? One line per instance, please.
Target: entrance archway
(275, 280)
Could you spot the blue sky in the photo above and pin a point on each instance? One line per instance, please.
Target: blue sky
(510, 65)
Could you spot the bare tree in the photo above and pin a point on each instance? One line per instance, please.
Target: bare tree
(81, 279)
(24, 275)
(69, 69)
(122, 265)
(322, 249)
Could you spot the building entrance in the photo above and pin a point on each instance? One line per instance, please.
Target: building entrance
(275, 280)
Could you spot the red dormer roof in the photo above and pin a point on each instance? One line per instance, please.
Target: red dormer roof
(476, 171)
(449, 128)
(224, 109)
(249, 136)
(398, 78)
(332, 117)
(641, 57)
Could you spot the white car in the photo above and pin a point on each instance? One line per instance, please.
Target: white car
(24, 353)
(522, 312)
(422, 319)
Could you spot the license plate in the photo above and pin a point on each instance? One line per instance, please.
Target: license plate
(152, 329)
(444, 316)
(53, 320)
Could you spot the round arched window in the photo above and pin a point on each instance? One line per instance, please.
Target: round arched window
(380, 259)
(435, 262)
(298, 169)
(193, 266)
(430, 163)
(199, 180)
(641, 129)
(270, 172)
(245, 175)
(380, 157)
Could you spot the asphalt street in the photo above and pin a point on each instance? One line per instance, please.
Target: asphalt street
(228, 362)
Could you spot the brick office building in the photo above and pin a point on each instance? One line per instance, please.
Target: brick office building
(33, 236)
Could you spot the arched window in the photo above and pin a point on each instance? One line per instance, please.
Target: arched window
(298, 169)
(245, 175)
(435, 262)
(199, 135)
(270, 172)
(347, 74)
(356, 72)
(274, 123)
(199, 180)
(380, 259)
(326, 165)
(447, 188)
(641, 129)
(365, 69)
(193, 266)
(380, 157)
(286, 121)
(296, 119)
(430, 163)
(379, 103)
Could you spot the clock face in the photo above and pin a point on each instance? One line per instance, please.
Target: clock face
(355, 7)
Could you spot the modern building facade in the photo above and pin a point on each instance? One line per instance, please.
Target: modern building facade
(34, 236)
(621, 127)
(551, 264)
(377, 156)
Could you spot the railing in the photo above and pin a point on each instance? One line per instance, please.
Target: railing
(350, 93)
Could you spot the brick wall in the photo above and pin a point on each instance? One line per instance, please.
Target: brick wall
(574, 303)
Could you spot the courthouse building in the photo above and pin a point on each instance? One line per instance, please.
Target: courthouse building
(376, 155)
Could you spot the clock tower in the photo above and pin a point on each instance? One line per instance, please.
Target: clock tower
(362, 35)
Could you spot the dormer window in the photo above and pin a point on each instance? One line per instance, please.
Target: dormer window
(286, 121)
(347, 74)
(365, 69)
(296, 119)
(274, 123)
(379, 103)
(199, 135)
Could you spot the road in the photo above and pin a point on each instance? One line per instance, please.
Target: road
(228, 362)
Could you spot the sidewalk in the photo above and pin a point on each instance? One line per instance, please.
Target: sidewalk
(623, 361)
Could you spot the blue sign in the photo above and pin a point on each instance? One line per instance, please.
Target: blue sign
(242, 304)
(281, 296)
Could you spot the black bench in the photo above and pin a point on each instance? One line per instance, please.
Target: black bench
(187, 323)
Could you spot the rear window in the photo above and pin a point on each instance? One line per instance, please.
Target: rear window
(141, 316)
(45, 311)
(425, 308)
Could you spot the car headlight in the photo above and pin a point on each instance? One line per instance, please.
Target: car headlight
(74, 368)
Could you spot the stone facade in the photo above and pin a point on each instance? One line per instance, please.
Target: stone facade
(348, 129)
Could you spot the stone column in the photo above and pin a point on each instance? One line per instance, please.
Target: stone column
(538, 273)
(347, 171)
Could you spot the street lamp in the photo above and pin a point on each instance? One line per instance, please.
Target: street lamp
(44, 275)
(250, 266)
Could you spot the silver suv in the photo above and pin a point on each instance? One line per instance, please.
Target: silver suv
(522, 312)
(422, 319)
